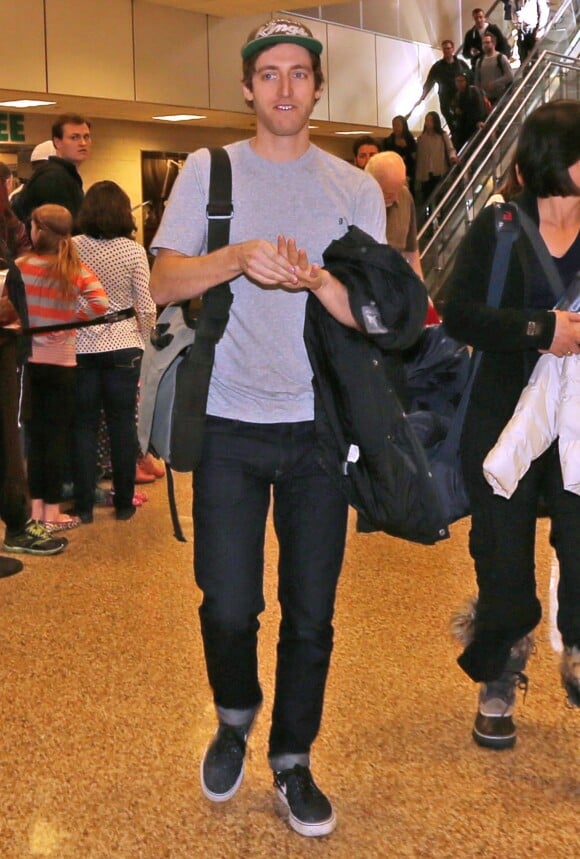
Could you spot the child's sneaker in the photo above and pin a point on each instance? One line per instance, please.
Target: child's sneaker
(34, 539)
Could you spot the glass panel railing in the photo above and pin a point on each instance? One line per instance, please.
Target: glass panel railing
(485, 159)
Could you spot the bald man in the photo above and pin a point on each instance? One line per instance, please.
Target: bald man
(388, 169)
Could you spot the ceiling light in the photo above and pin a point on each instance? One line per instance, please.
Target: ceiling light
(179, 117)
(25, 102)
(346, 133)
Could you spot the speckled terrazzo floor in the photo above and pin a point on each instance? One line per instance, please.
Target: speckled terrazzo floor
(104, 712)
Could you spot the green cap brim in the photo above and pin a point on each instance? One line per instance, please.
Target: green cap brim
(264, 42)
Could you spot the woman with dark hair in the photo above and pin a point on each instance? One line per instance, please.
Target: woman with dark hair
(435, 155)
(59, 289)
(404, 144)
(12, 230)
(496, 631)
(109, 356)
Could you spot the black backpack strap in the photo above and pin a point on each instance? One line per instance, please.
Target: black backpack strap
(194, 372)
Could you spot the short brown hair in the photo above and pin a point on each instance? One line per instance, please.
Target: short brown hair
(106, 212)
(67, 119)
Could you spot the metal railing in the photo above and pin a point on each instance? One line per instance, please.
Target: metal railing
(552, 72)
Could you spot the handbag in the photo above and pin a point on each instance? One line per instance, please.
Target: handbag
(444, 458)
(177, 363)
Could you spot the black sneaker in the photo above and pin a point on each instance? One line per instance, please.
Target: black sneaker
(222, 767)
(34, 539)
(308, 810)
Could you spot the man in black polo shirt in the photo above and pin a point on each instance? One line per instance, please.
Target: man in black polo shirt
(443, 73)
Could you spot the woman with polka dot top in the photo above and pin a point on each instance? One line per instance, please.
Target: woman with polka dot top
(109, 356)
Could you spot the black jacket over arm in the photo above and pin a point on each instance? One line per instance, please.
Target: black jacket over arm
(367, 444)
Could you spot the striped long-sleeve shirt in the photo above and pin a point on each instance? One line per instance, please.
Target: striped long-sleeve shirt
(46, 306)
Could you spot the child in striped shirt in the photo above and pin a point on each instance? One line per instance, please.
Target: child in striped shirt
(59, 288)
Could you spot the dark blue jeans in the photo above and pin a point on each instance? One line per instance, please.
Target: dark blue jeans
(242, 465)
(108, 381)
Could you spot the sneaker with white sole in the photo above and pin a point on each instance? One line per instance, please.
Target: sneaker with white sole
(222, 767)
(308, 810)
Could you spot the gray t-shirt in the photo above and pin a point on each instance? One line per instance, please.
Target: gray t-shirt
(261, 372)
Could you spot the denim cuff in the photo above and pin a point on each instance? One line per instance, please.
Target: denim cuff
(236, 718)
(288, 761)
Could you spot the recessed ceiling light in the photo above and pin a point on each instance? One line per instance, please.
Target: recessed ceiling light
(25, 102)
(179, 117)
(346, 133)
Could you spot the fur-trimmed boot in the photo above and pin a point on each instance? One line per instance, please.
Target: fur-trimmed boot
(570, 670)
(494, 727)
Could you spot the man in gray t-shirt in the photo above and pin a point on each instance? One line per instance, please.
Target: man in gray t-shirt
(493, 73)
(290, 201)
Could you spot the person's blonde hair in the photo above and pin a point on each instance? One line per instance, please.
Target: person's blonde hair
(53, 240)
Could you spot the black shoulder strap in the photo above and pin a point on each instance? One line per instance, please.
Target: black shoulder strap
(196, 368)
(219, 209)
(217, 301)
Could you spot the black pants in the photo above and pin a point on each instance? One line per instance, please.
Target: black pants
(106, 380)
(52, 401)
(14, 501)
(242, 464)
(502, 544)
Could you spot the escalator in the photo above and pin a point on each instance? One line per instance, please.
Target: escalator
(551, 72)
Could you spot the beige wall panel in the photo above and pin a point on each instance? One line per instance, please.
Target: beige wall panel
(430, 23)
(382, 16)
(398, 79)
(309, 11)
(343, 13)
(352, 86)
(90, 48)
(23, 49)
(226, 36)
(171, 59)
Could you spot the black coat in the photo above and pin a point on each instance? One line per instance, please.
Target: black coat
(508, 337)
(58, 181)
(366, 442)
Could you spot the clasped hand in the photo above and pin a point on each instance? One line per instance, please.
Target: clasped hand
(284, 264)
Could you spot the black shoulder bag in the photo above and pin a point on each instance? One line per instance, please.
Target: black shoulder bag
(178, 362)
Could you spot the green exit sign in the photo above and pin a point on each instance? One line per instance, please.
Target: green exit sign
(12, 128)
